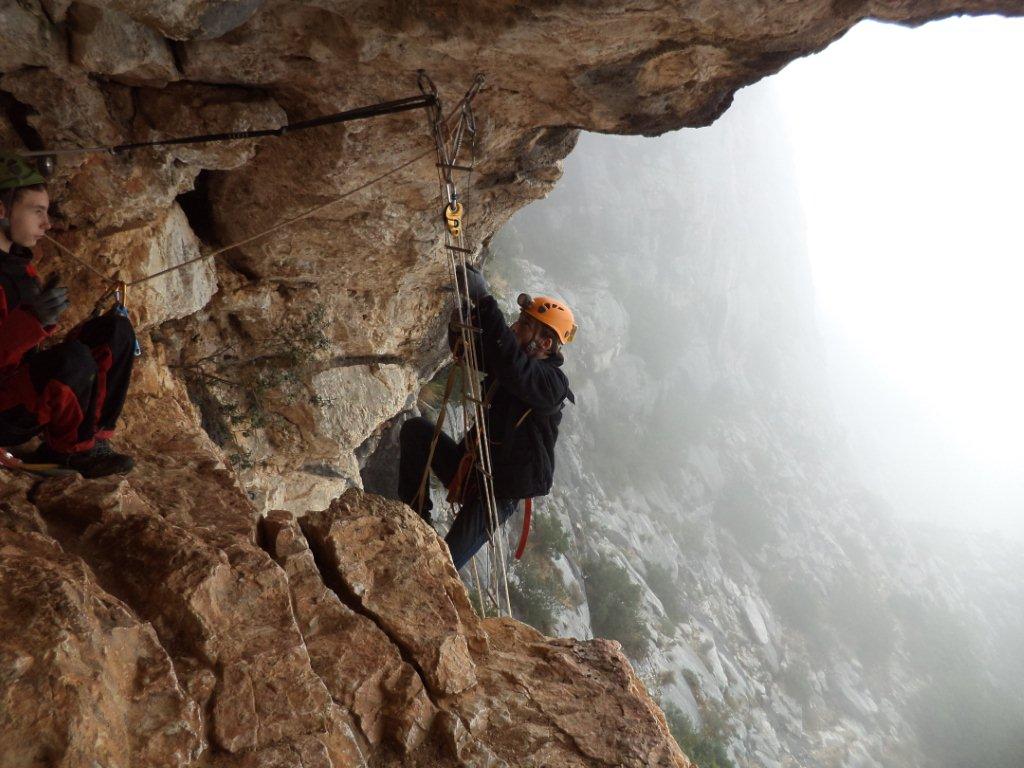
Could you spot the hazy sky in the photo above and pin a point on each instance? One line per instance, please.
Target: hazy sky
(909, 149)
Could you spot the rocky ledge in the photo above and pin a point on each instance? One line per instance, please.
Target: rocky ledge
(158, 621)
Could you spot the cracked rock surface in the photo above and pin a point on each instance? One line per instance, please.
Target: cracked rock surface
(167, 619)
(168, 625)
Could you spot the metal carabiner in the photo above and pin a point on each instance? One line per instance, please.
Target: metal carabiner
(121, 308)
(478, 83)
(425, 84)
(427, 88)
(467, 103)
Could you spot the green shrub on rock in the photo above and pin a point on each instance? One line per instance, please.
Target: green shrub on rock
(706, 747)
(536, 591)
(614, 601)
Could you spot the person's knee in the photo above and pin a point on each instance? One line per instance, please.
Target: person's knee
(415, 432)
(70, 363)
(111, 329)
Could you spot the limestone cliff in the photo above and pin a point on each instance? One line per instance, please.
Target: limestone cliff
(166, 619)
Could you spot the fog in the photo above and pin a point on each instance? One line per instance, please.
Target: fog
(798, 375)
(909, 166)
(888, 168)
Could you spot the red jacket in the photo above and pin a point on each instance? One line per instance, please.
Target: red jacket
(20, 330)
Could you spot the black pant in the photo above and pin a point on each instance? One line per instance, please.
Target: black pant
(471, 528)
(414, 443)
(74, 391)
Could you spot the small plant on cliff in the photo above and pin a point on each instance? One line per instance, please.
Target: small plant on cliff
(250, 391)
(614, 601)
(549, 536)
(705, 747)
(536, 589)
(536, 592)
(480, 605)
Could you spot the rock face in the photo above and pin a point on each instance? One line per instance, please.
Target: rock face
(143, 636)
(367, 268)
(162, 620)
(84, 678)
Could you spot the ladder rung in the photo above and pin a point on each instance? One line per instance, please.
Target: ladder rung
(455, 167)
(463, 326)
(458, 249)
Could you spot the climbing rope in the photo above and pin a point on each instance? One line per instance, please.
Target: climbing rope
(67, 252)
(401, 105)
(448, 144)
(286, 222)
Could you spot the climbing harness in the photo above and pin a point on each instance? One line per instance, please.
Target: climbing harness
(474, 483)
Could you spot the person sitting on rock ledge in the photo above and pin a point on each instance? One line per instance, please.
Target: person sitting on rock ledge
(72, 392)
(526, 391)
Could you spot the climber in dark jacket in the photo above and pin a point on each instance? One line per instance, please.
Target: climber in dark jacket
(72, 392)
(526, 390)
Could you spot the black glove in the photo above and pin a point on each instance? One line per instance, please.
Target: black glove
(472, 283)
(50, 303)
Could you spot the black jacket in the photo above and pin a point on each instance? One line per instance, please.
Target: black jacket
(20, 331)
(522, 449)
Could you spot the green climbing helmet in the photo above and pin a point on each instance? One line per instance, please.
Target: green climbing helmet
(17, 171)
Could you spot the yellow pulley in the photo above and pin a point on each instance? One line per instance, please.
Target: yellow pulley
(453, 218)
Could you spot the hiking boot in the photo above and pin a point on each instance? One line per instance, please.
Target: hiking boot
(99, 461)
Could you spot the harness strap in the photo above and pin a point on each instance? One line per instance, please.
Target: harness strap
(522, 418)
(460, 489)
(525, 534)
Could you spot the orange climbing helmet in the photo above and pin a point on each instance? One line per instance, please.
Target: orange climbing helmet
(550, 312)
